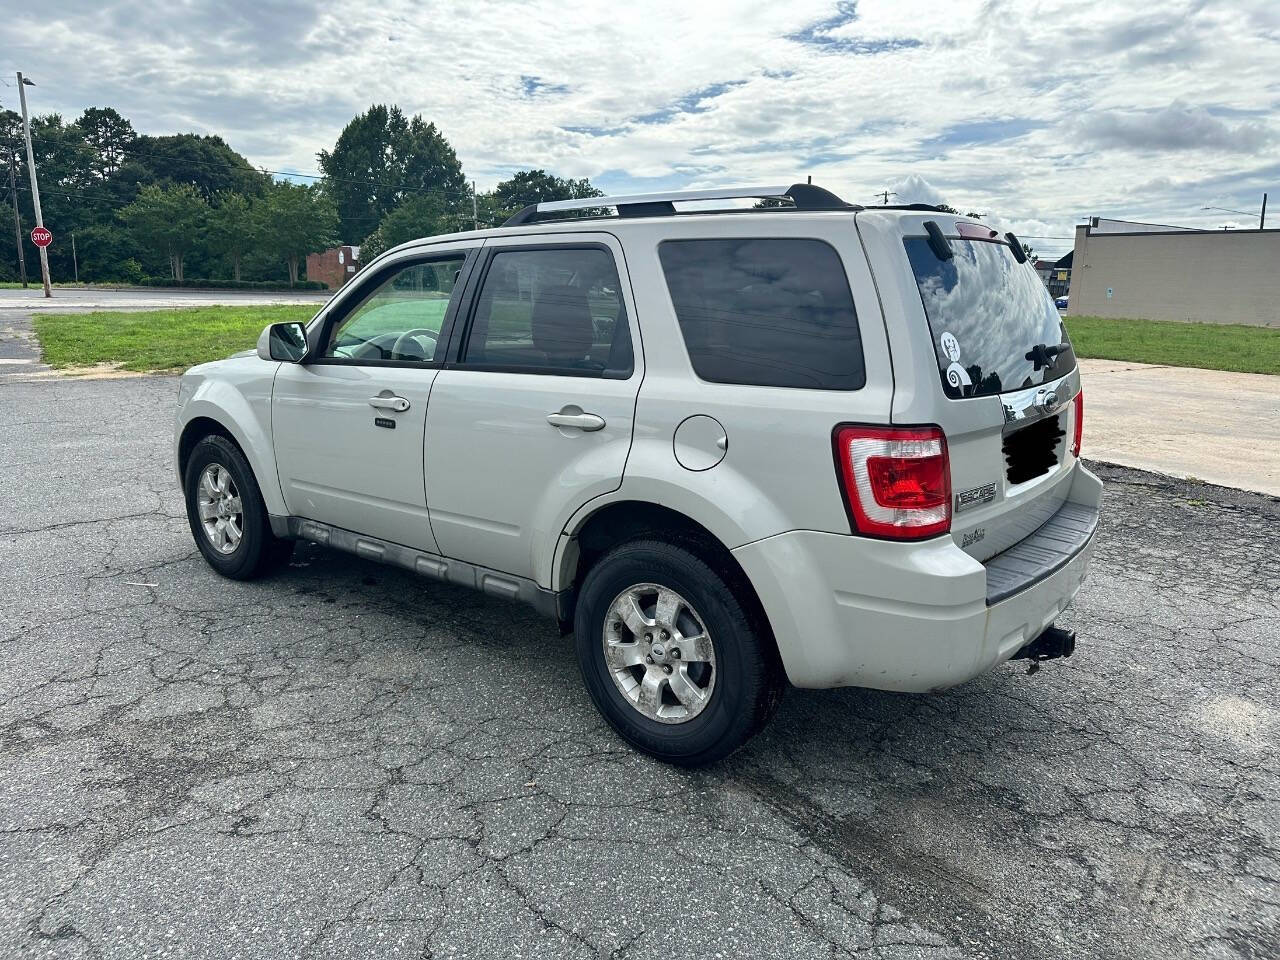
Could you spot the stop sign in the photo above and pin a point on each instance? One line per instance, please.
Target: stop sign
(41, 237)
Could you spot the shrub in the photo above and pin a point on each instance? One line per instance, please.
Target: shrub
(202, 283)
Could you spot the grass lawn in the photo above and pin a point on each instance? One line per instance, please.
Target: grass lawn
(1212, 346)
(157, 339)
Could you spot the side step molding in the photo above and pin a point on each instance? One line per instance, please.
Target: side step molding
(445, 569)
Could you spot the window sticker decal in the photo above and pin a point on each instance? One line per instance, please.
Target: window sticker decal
(957, 375)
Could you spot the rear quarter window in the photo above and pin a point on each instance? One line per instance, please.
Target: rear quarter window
(774, 312)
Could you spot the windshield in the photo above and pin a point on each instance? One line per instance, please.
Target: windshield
(987, 313)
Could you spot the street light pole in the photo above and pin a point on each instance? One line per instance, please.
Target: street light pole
(17, 226)
(1262, 218)
(35, 187)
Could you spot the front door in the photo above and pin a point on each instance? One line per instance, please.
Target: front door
(348, 423)
(532, 417)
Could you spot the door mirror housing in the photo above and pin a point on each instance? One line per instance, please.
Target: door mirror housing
(283, 341)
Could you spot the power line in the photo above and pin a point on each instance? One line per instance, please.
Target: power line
(227, 165)
(98, 198)
(84, 196)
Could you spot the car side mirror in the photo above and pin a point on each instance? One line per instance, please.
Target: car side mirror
(283, 341)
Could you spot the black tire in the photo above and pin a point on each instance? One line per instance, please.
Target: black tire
(259, 551)
(749, 680)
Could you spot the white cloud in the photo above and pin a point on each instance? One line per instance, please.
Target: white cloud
(916, 189)
(1039, 112)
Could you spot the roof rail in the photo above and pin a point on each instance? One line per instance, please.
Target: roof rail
(805, 196)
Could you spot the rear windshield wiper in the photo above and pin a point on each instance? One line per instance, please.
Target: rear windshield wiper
(1046, 355)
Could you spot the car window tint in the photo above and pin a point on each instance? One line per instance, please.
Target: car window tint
(400, 318)
(551, 311)
(768, 312)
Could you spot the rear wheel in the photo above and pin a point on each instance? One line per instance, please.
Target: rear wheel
(228, 518)
(670, 655)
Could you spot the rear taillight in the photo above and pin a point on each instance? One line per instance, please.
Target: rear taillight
(897, 481)
(1077, 423)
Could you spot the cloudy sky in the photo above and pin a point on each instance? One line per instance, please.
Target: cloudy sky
(1039, 112)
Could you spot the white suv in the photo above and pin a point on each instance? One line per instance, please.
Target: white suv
(727, 448)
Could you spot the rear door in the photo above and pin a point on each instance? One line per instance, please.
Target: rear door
(348, 424)
(980, 350)
(532, 415)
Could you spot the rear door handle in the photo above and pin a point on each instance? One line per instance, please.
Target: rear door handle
(572, 416)
(398, 404)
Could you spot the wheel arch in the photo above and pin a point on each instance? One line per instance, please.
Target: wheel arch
(620, 521)
(205, 414)
(196, 429)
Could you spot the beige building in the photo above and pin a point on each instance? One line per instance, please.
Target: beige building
(1155, 272)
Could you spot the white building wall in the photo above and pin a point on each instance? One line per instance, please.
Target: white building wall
(1211, 276)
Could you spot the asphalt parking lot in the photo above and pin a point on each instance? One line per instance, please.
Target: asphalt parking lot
(349, 761)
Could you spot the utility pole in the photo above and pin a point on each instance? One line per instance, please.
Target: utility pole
(475, 208)
(1262, 220)
(17, 226)
(886, 194)
(75, 264)
(35, 187)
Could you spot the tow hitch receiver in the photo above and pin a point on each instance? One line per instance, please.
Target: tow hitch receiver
(1050, 645)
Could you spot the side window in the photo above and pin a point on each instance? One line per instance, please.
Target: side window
(766, 312)
(551, 311)
(400, 317)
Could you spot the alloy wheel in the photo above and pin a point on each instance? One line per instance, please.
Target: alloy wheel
(659, 653)
(221, 512)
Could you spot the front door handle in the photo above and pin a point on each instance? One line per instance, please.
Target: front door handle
(398, 404)
(572, 416)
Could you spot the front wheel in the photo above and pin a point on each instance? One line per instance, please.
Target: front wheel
(228, 518)
(670, 656)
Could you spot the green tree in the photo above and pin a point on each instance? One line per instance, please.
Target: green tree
(532, 186)
(419, 216)
(108, 136)
(232, 228)
(381, 158)
(206, 163)
(62, 159)
(11, 144)
(168, 218)
(538, 186)
(297, 220)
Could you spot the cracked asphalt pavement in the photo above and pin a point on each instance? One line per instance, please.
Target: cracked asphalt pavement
(349, 761)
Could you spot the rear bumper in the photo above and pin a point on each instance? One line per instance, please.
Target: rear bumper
(849, 611)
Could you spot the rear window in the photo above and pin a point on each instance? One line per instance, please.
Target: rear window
(765, 312)
(987, 312)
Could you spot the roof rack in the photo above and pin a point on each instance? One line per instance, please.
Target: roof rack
(930, 207)
(805, 196)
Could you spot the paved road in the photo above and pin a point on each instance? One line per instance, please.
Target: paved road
(1206, 424)
(348, 761)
